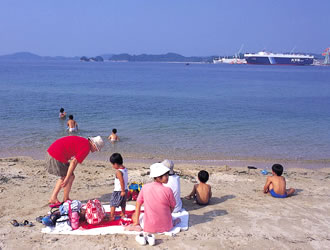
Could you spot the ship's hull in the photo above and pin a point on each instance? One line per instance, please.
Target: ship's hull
(270, 60)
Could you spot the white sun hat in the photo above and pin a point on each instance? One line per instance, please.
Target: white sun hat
(97, 141)
(169, 164)
(158, 169)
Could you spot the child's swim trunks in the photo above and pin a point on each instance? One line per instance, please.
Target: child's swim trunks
(73, 129)
(275, 195)
(116, 200)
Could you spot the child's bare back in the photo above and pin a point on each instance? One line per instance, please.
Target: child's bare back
(201, 192)
(276, 184)
(72, 123)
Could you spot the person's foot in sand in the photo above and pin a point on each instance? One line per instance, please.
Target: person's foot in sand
(188, 197)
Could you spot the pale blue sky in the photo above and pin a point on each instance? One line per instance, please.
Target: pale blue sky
(188, 27)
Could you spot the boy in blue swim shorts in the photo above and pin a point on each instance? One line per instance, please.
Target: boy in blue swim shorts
(276, 184)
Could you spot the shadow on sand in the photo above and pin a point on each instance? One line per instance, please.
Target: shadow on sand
(104, 199)
(189, 205)
(195, 219)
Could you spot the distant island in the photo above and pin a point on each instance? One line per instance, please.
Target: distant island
(169, 57)
(27, 56)
(124, 57)
(92, 59)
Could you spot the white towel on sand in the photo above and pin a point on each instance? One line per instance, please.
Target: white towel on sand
(182, 226)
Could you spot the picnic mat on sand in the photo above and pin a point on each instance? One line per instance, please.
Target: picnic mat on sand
(114, 227)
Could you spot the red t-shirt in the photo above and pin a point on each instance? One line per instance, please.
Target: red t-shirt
(67, 147)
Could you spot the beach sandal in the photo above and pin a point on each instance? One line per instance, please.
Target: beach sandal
(14, 223)
(26, 223)
(55, 205)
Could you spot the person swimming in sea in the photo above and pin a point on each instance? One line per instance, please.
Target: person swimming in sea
(113, 137)
(62, 114)
(72, 125)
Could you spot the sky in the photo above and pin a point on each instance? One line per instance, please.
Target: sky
(187, 27)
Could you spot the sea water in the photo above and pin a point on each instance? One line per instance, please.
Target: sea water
(184, 112)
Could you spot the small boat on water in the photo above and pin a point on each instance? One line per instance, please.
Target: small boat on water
(233, 60)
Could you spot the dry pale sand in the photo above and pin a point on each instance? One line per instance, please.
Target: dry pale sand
(240, 216)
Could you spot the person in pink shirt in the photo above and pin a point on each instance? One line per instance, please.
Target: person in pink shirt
(158, 200)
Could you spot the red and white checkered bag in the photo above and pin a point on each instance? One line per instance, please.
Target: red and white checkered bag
(94, 212)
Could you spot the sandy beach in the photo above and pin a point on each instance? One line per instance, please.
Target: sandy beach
(240, 216)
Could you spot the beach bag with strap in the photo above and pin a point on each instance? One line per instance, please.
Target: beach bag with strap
(94, 212)
(73, 216)
(75, 206)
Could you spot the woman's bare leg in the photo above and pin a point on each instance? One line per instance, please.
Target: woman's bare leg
(67, 188)
(57, 188)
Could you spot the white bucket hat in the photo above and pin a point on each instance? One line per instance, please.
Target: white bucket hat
(97, 141)
(158, 169)
(169, 164)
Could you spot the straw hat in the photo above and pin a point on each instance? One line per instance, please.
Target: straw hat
(158, 169)
(169, 164)
(97, 141)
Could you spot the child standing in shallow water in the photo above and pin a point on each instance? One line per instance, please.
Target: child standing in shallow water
(201, 192)
(62, 114)
(119, 194)
(113, 137)
(276, 184)
(72, 125)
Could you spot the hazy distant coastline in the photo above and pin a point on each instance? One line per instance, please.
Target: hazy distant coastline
(124, 57)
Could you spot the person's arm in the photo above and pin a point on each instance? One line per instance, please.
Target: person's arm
(119, 176)
(172, 201)
(266, 187)
(136, 215)
(72, 167)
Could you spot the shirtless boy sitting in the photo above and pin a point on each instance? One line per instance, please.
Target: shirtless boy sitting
(276, 185)
(201, 192)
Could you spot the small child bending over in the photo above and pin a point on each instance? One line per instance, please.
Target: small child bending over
(119, 194)
(276, 185)
(201, 192)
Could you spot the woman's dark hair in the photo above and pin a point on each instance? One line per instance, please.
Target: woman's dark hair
(62, 110)
(114, 131)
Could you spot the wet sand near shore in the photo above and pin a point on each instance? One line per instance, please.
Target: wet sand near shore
(239, 216)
